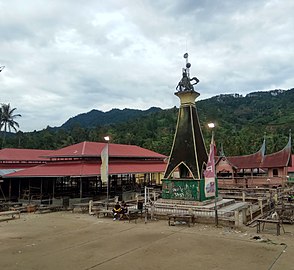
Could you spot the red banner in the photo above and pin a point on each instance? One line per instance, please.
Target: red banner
(209, 174)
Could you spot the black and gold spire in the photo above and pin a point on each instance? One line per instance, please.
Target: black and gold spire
(188, 153)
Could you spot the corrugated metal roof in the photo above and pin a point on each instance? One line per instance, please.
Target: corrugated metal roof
(8, 171)
(93, 149)
(87, 169)
(15, 154)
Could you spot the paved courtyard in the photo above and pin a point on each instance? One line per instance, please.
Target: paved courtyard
(64, 240)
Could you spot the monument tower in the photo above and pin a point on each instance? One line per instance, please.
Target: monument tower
(188, 157)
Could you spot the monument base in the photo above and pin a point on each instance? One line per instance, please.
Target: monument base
(186, 203)
(185, 189)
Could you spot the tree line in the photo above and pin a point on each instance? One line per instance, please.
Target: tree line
(241, 125)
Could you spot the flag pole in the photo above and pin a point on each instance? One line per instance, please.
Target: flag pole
(105, 166)
(107, 175)
(215, 193)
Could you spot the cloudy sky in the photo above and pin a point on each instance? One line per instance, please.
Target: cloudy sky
(67, 57)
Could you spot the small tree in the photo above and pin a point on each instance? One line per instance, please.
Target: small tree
(7, 121)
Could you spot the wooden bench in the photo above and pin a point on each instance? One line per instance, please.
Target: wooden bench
(18, 208)
(286, 212)
(42, 209)
(10, 213)
(188, 219)
(133, 214)
(81, 207)
(278, 222)
(104, 212)
(7, 205)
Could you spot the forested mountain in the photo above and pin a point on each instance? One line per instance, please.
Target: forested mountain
(241, 124)
(96, 118)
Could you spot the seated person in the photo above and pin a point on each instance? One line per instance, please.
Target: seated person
(117, 211)
(124, 208)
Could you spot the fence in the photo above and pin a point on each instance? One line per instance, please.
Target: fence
(164, 209)
(254, 181)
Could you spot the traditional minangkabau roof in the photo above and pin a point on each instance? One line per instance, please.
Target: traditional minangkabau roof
(248, 161)
(222, 157)
(281, 158)
(93, 149)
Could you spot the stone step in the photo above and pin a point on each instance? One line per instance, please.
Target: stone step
(170, 204)
(220, 204)
(235, 206)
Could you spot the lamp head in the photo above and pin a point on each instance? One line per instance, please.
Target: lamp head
(107, 138)
(211, 125)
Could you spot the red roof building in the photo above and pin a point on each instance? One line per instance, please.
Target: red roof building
(93, 149)
(291, 168)
(14, 158)
(255, 169)
(291, 171)
(75, 170)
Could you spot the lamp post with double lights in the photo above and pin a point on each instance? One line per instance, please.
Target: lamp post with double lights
(212, 126)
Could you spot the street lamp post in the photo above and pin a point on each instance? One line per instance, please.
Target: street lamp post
(107, 138)
(212, 126)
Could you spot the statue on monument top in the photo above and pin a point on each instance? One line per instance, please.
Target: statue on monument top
(186, 84)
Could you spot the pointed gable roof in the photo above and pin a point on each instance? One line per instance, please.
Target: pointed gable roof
(248, 161)
(223, 158)
(93, 149)
(279, 159)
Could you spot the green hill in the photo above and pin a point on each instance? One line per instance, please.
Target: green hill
(241, 124)
(98, 118)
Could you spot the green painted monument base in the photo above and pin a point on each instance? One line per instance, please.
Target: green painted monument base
(185, 189)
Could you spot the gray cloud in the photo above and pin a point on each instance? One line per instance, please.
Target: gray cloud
(66, 57)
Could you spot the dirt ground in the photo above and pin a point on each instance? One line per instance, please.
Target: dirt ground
(64, 240)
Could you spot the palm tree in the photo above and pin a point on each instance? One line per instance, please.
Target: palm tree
(7, 121)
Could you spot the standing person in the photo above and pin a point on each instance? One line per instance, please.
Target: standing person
(276, 199)
(116, 211)
(152, 208)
